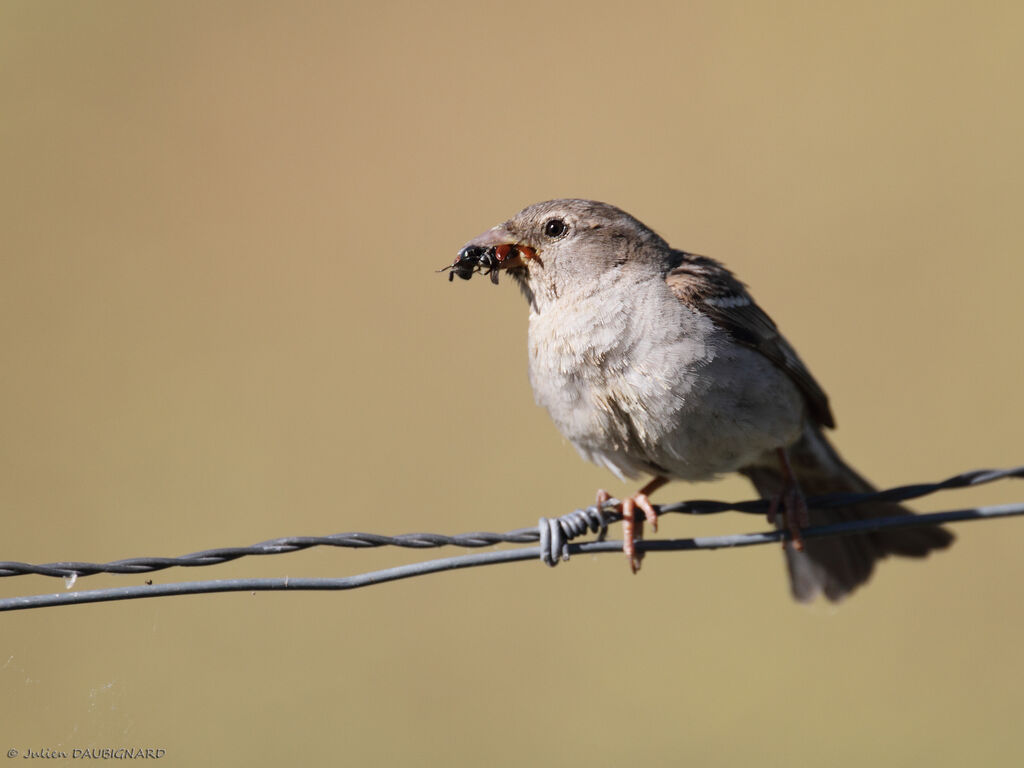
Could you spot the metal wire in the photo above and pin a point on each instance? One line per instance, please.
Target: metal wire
(554, 537)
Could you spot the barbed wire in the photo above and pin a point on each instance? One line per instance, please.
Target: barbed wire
(554, 537)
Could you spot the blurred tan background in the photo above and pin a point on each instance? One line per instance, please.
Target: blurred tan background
(220, 323)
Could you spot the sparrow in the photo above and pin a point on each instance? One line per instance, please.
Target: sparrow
(657, 361)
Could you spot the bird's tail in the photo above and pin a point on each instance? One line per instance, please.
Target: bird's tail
(836, 566)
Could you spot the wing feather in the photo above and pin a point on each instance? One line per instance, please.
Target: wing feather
(710, 288)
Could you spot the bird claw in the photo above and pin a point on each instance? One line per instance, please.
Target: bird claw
(632, 525)
(792, 503)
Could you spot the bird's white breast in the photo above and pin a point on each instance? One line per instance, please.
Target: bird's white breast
(653, 386)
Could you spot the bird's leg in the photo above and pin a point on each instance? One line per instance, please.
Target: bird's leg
(633, 528)
(791, 499)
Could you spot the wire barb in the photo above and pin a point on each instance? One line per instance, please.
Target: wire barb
(555, 535)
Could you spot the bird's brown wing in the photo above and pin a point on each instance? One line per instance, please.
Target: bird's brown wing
(710, 288)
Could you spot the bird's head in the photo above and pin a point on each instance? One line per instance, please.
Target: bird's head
(557, 246)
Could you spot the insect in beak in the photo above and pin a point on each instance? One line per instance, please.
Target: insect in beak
(476, 258)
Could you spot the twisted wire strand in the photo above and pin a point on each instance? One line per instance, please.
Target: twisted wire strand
(554, 537)
(559, 531)
(833, 500)
(495, 558)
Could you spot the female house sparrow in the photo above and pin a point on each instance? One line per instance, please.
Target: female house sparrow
(654, 360)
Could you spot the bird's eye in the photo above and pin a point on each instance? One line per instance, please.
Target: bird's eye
(555, 228)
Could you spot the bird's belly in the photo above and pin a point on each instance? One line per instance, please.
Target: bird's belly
(685, 410)
(740, 407)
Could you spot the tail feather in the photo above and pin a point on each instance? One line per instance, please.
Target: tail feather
(836, 566)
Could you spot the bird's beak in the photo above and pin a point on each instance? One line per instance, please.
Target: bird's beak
(508, 253)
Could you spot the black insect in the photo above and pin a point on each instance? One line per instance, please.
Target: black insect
(474, 259)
